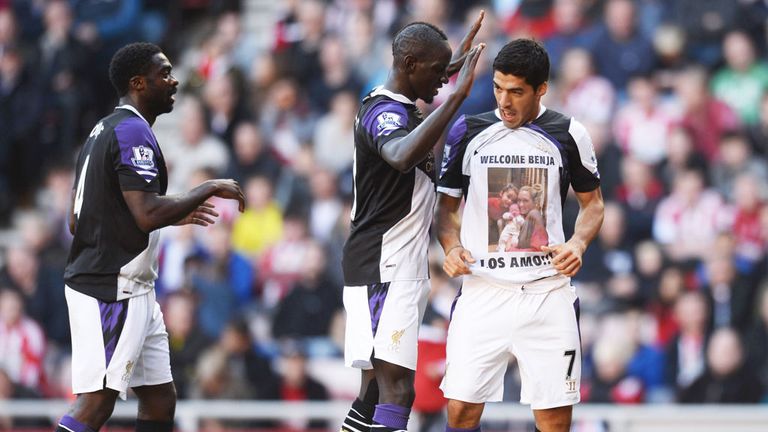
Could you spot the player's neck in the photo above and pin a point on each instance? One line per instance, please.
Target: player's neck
(399, 86)
(147, 114)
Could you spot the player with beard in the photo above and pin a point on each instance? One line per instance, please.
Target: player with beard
(118, 204)
(385, 257)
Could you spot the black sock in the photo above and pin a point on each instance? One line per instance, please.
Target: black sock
(154, 425)
(359, 417)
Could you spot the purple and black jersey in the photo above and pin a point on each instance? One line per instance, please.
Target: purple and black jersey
(111, 258)
(392, 210)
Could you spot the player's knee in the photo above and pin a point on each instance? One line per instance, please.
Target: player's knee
(464, 415)
(157, 402)
(94, 409)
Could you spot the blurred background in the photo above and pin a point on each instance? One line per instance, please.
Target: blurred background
(674, 293)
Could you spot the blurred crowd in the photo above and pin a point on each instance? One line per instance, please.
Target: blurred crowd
(674, 293)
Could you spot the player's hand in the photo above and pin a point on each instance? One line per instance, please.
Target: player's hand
(456, 262)
(457, 60)
(230, 189)
(467, 73)
(566, 258)
(203, 215)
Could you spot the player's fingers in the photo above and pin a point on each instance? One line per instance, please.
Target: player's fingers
(448, 269)
(562, 260)
(205, 218)
(208, 211)
(467, 256)
(473, 31)
(571, 269)
(200, 222)
(207, 204)
(571, 265)
(478, 21)
(241, 203)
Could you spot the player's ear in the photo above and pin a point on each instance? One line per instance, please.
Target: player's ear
(137, 83)
(409, 63)
(542, 90)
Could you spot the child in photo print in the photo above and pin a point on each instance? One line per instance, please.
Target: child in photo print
(516, 208)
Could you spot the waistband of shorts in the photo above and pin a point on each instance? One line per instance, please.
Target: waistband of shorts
(539, 286)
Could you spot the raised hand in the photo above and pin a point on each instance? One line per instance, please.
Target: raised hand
(460, 55)
(203, 215)
(467, 73)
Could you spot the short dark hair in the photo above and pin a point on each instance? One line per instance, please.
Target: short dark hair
(416, 39)
(129, 61)
(525, 58)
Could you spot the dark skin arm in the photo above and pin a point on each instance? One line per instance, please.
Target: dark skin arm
(457, 60)
(404, 153)
(567, 257)
(448, 228)
(152, 211)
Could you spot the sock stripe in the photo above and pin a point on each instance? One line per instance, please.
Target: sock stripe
(347, 427)
(64, 427)
(357, 421)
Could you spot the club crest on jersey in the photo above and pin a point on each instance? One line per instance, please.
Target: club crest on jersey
(387, 122)
(143, 157)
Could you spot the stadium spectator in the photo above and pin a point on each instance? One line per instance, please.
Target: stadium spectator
(736, 158)
(22, 342)
(185, 338)
(726, 379)
(743, 80)
(684, 354)
(706, 118)
(297, 385)
(580, 92)
(620, 50)
(756, 342)
(687, 221)
(333, 139)
(193, 148)
(643, 123)
(261, 225)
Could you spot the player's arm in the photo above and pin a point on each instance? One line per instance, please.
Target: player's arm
(448, 229)
(457, 60)
(152, 210)
(567, 257)
(405, 152)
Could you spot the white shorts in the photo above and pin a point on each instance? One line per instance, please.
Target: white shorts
(537, 322)
(383, 322)
(117, 345)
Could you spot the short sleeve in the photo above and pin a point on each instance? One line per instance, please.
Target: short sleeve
(451, 176)
(137, 161)
(582, 160)
(385, 121)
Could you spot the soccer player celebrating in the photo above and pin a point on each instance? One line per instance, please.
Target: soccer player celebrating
(519, 300)
(118, 203)
(385, 258)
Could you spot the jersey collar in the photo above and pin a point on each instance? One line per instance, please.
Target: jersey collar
(133, 110)
(380, 90)
(542, 110)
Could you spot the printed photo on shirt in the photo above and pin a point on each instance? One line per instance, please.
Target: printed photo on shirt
(516, 209)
